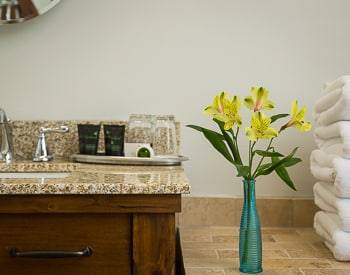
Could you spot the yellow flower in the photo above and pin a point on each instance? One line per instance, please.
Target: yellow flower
(260, 128)
(298, 118)
(225, 109)
(258, 100)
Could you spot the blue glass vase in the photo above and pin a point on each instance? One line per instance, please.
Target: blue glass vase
(250, 246)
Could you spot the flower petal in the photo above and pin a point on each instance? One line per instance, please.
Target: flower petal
(301, 114)
(303, 126)
(249, 102)
(294, 108)
(221, 117)
(262, 94)
(210, 111)
(254, 92)
(270, 133)
(229, 124)
(268, 105)
(250, 133)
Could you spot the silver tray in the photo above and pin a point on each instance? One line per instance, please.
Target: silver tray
(154, 161)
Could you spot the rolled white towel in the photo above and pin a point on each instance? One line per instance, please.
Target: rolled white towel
(336, 149)
(335, 133)
(322, 166)
(326, 200)
(339, 111)
(336, 84)
(328, 226)
(327, 101)
(322, 158)
(336, 175)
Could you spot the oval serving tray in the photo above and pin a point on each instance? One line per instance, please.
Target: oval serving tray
(154, 161)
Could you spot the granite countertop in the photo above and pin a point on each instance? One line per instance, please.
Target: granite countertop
(94, 179)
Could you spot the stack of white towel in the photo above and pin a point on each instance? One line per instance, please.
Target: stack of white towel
(330, 165)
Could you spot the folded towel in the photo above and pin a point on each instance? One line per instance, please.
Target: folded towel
(336, 84)
(336, 149)
(327, 101)
(326, 200)
(333, 170)
(338, 111)
(322, 158)
(335, 133)
(322, 166)
(328, 226)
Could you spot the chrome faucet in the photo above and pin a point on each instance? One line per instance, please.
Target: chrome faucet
(41, 152)
(6, 153)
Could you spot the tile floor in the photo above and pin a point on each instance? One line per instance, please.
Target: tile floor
(214, 251)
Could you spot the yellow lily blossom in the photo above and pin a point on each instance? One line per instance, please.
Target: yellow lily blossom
(298, 118)
(260, 128)
(225, 109)
(258, 100)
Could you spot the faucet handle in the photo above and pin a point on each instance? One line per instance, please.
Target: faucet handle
(3, 117)
(41, 152)
(61, 129)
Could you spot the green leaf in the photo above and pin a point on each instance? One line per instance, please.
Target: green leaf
(292, 162)
(277, 117)
(202, 129)
(275, 165)
(230, 142)
(216, 140)
(268, 154)
(264, 166)
(282, 172)
(243, 171)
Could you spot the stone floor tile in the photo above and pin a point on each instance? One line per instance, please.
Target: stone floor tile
(199, 253)
(268, 272)
(296, 263)
(204, 271)
(325, 271)
(214, 250)
(286, 237)
(192, 237)
(209, 245)
(211, 263)
(341, 265)
(234, 239)
(309, 235)
(224, 230)
(310, 253)
(278, 230)
(267, 254)
(285, 245)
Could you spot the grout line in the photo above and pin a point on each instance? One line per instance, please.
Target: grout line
(217, 254)
(286, 251)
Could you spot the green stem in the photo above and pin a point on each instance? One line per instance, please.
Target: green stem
(251, 157)
(235, 140)
(262, 159)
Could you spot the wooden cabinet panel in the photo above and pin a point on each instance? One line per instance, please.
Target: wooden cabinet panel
(90, 204)
(154, 244)
(109, 235)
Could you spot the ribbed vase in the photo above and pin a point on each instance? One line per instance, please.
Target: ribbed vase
(250, 246)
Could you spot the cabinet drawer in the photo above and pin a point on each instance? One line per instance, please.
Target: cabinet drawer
(108, 235)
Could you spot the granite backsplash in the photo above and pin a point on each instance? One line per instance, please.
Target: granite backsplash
(61, 146)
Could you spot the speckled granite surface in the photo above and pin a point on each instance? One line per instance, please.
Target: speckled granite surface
(30, 166)
(95, 179)
(62, 146)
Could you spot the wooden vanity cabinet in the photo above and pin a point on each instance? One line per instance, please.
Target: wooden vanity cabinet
(55, 234)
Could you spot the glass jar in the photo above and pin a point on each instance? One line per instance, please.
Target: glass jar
(165, 141)
(140, 129)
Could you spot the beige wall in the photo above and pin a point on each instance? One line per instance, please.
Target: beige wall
(90, 60)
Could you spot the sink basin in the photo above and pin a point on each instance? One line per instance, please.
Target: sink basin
(36, 175)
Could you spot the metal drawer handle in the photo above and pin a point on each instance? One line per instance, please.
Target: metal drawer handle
(86, 252)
